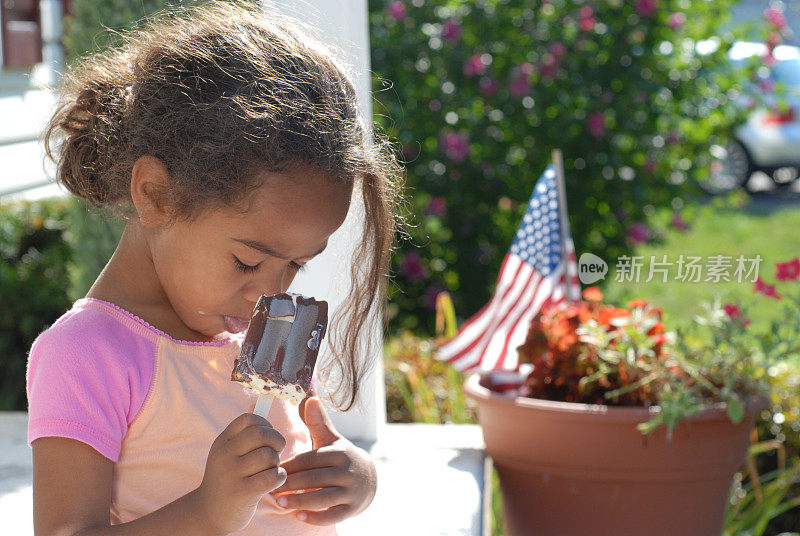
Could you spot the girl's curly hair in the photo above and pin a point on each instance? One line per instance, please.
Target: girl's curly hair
(220, 94)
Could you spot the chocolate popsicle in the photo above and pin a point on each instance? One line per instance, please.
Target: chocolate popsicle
(280, 348)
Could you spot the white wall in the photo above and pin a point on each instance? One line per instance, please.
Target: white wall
(344, 24)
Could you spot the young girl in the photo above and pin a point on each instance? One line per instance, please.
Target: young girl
(232, 144)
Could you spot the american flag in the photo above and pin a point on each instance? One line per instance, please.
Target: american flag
(531, 276)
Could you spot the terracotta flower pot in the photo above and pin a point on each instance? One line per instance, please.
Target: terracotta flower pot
(569, 469)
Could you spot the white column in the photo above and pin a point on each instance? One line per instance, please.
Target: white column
(50, 15)
(344, 24)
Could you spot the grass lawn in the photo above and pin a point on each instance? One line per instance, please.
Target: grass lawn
(768, 229)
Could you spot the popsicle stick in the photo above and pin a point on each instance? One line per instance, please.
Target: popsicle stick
(263, 405)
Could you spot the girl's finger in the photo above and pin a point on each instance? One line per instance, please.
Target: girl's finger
(325, 517)
(313, 500)
(313, 460)
(313, 478)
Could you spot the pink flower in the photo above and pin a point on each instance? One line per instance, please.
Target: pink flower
(412, 267)
(549, 66)
(587, 20)
(437, 206)
(673, 137)
(676, 20)
(488, 86)
(775, 16)
(788, 271)
(597, 124)
(451, 31)
(774, 39)
(430, 294)
(397, 10)
(638, 233)
(647, 8)
(455, 146)
(769, 60)
(474, 66)
(735, 314)
(557, 50)
(679, 223)
(650, 166)
(766, 85)
(520, 81)
(767, 290)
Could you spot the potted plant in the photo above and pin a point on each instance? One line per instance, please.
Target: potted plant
(617, 426)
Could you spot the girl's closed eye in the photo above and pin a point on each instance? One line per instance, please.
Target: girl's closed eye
(248, 268)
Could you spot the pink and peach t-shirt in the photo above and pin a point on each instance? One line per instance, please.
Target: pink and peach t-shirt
(151, 404)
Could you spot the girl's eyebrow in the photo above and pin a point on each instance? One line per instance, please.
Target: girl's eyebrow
(263, 248)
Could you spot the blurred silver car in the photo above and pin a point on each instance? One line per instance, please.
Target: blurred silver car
(769, 140)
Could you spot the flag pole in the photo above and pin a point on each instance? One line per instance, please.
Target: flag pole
(564, 218)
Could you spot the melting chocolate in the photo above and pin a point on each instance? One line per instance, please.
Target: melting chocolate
(280, 347)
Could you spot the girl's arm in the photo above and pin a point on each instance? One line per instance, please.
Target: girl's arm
(72, 496)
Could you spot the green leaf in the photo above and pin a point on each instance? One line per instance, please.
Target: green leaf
(735, 410)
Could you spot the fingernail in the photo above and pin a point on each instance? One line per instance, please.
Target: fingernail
(302, 516)
(283, 501)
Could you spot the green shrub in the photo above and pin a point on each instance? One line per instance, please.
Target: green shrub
(479, 93)
(33, 286)
(85, 30)
(93, 237)
(51, 251)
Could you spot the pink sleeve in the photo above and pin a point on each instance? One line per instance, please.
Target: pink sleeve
(88, 376)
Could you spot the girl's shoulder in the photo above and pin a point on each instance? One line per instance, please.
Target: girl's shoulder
(88, 376)
(93, 319)
(92, 325)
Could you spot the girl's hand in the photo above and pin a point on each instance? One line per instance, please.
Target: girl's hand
(337, 479)
(242, 466)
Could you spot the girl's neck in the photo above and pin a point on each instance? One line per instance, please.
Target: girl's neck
(129, 280)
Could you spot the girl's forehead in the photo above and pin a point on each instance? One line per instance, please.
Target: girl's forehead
(293, 217)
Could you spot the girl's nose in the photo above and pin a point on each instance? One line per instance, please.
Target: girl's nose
(269, 285)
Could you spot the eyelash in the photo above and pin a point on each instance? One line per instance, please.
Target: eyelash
(246, 268)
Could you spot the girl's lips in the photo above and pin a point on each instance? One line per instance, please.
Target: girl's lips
(235, 324)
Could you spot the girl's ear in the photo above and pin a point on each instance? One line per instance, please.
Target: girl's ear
(150, 181)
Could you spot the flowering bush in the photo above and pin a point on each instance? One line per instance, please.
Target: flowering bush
(478, 93)
(600, 354)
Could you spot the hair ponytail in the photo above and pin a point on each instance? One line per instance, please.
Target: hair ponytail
(87, 135)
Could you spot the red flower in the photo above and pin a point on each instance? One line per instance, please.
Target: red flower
(775, 17)
(676, 21)
(520, 83)
(557, 49)
(451, 31)
(609, 313)
(587, 20)
(488, 86)
(638, 233)
(475, 66)
(735, 314)
(679, 223)
(455, 146)
(788, 271)
(597, 124)
(592, 294)
(397, 10)
(765, 289)
(647, 8)
(637, 303)
(774, 40)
